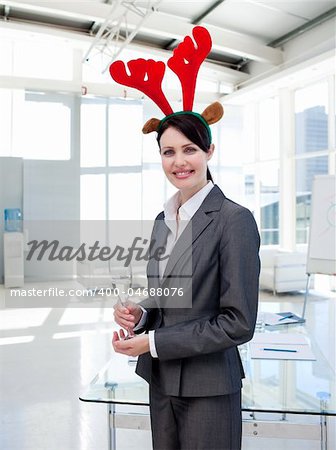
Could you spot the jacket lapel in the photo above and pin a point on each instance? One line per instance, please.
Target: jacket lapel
(160, 237)
(198, 223)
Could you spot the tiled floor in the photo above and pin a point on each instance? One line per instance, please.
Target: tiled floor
(47, 355)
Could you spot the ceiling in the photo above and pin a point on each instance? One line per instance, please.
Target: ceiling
(242, 30)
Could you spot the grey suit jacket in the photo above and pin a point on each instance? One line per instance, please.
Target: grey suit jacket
(197, 344)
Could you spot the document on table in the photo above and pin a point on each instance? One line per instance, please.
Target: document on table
(282, 318)
(281, 346)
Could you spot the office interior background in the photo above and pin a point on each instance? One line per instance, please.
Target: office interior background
(71, 148)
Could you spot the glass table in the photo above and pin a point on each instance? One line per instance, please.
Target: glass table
(271, 388)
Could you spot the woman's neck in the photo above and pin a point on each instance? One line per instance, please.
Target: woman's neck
(186, 194)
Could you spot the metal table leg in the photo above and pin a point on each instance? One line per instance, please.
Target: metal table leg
(324, 397)
(111, 428)
(324, 434)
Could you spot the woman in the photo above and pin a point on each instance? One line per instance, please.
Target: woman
(189, 354)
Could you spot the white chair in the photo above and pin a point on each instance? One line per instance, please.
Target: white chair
(282, 271)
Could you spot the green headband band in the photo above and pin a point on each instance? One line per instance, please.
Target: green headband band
(191, 113)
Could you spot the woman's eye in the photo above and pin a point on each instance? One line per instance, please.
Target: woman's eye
(168, 152)
(190, 149)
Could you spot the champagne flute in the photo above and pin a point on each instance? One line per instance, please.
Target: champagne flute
(121, 286)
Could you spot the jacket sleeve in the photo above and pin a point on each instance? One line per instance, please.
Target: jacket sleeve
(151, 309)
(239, 269)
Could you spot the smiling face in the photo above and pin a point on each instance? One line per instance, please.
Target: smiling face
(183, 162)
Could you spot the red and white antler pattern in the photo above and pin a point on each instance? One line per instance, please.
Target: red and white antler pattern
(186, 61)
(146, 76)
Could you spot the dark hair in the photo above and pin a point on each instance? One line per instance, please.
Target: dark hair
(192, 128)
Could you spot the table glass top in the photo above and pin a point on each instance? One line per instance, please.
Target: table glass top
(285, 386)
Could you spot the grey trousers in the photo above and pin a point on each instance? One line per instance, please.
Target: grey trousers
(195, 423)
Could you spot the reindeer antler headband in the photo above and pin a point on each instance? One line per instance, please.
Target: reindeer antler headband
(147, 75)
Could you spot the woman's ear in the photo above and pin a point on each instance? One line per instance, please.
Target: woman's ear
(210, 151)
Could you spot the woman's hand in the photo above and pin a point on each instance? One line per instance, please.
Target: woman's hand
(131, 347)
(127, 316)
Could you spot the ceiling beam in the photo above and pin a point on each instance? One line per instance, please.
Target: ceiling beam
(197, 20)
(209, 70)
(293, 76)
(160, 25)
(303, 28)
(223, 41)
(205, 13)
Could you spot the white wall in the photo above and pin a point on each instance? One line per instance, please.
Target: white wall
(51, 194)
(11, 188)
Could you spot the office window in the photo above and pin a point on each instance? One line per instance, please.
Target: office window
(260, 168)
(93, 70)
(41, 126)
(93, 197)
(231, 181)
(249, 189)
(269, 129)
(249, 133)
(125, 137)
(306, 169)
(151, 153)
(125, 196)
(269, 200)
(311, 118)
(231, 148)
(45, 59)
(6, 57)
(93, 135)
(5, 121)
(153, 192)
(311, 135)
(111, 147)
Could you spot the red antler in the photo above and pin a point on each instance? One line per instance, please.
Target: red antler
(146, 76)
(186, 61)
